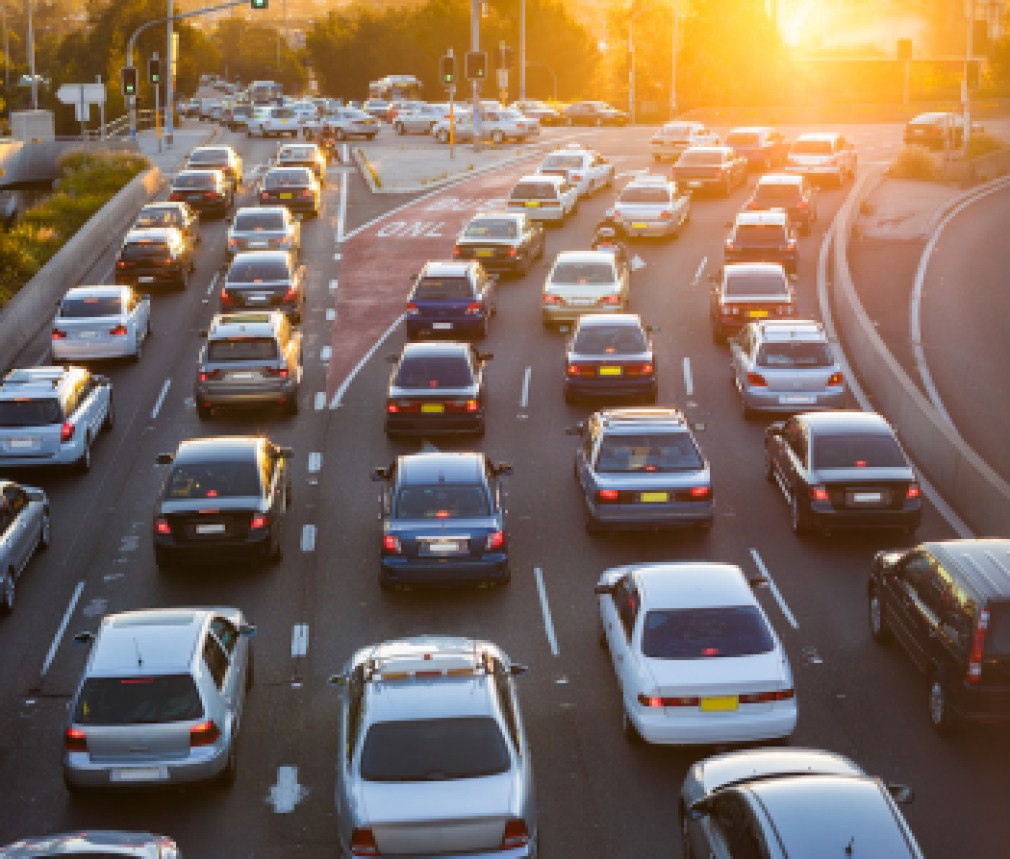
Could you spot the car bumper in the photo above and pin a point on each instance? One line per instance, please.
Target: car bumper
(84, 350)
(253, 546)
(415, 424)
(471, 325)
(149, 279)
(448, 571)
(835, 520)
(758, 400)
(245, 395)
(652, 229)
(201, 765)
(67, 454)
(702, 728)
(608, 387)
(986, 704)
(634, 516)
(554, 314)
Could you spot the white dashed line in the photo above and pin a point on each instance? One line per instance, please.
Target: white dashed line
(51, 655)
(775, 591)
(342, 208)
(309, 538)
(546, 609)
(333, 285)
(161, 399)
(320, 402)
(315, 463)
(331, 314)
(299, 640)
(213, 283)
(688, 379)
(325, 353)
(700, 270)
(524, 397)
(339, 395)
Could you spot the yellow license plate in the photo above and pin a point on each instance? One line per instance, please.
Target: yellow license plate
(654, 497)
(721, 704)
(532, 204)
(485, 252)
(610, 371)
(432, 408)
(640, 226)
(286, 196)
(757, 314)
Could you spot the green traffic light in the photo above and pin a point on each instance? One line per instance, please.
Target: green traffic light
(259, 4)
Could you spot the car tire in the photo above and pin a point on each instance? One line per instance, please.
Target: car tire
(83, 463)
(45, 532)
(8, 592)
(768, 469)
(796, 520)
(879, 631)
(941, 717)
(442, 136)
(628, 727)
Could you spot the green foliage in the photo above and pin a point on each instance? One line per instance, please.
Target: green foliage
(250, 52)
(915, 162)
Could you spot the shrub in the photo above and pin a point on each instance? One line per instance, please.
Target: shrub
(982, 143)
(915, 162)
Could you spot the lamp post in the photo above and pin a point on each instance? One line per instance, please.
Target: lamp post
(522, 50)
(675, 44)
(169, 78)
(31, 57)
(965, 94)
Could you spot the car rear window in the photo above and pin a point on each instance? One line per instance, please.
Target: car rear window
(535, 191)
(298, 153)
(579, 273)
(242, 349)
(144, 250)
(811, 147)
(705, 633)
(252, 221)
(622, 454)
(700, 158)
(742, 286)
(209, 156)
(777, 192)
(742, 138)
(644, 195)
(258, 270)
(434, 371)
(676, 132)
(795, 354)
(434, 750)
(610, 340)
(857, 450)
(296, 177)
(760, 234)
(562, 162)
(30, 412)
(94, 305)
(443, 288)
(138, 700)
(502, 228)
(445, 501)
(223, 479)
(158, 218)
(194, 180)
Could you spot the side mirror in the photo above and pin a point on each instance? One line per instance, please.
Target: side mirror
(516, 669)
(503, 468)
(59, 301)
(485, 356)
(758, 581)
(576, 429)
(901, 793)
(603, 590)
(285, 453)
(380, 473)
(164, 458)
(337, 680)
(247, 629)
(701, 808)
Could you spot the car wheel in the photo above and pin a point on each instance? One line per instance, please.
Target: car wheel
(878, 624)
(796, 520)
(941, 717)
(83, 464)
(8, 588)
(628, 727)
(138, 352)
(442, 136)
(110, 414)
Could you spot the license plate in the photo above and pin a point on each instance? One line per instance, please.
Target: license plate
(757, 314)
(284, 195)
(240, 377)
(443, 547)
(485, 252)
(257, 297)
(139, 774)
(210, 528)
(86, 335)
(441, 326)
(21, 443)
(694, 183)
(639, 226)
(866, 497)
(146, 279)
(797, 400)
(432, 408)
(259, 244)
(610, 371)
(721, 704)
(654, 497)
(532, 204)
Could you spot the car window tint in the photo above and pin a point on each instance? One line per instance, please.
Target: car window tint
(293, 178)
(209, 156)
(582, 273)
(216, 659)
(443, 501)
(158, 218)
(30, 412)
(794, 354)
(742, 286)
(253, 270)
(610, 340)
(760, 234)
(648, 453)
(676, 132)
(252, 221)
(857, 450)
(700, 158)
(434, 372)
(777, 192)
(138, 700)
(224, 479)
(534, 191)
(443, 288)
(644, 195)
(705, 633)
(562, 162)
(242, 349)
(997, 638)
(488, 229)
(144, 250)
(95, 305)
(434, 750)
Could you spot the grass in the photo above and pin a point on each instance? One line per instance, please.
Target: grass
(916, 162)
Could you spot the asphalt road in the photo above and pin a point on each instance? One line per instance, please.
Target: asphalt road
(599, 796)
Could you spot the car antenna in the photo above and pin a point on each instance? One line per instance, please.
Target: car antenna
(140, 656)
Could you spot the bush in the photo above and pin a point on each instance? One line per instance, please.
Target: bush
(915, 162)
(982, 143)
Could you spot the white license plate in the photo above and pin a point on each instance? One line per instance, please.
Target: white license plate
(259, 244)
(694, 183)
(87, 335)
(257, 297)
(866, 498)
(145, 279)
(240, 377)
(210, 528)
(796, 400)
(139, 774)
(447, 547)
(21, 443)
(442, 326)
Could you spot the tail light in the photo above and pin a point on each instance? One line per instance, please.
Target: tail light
(66, 432)
(291, 294)
(576, 177)
(59, 335)
(207, 375)
(391, 545)
(913, 492)
(122, 264)
(802, 204)
(495, 540)
(162, 261)
(756, 380)
(730, 246)
(363, 842)
(819, 493)
(835, 379)
(515, 835)
(233, 243)
(211, 195)
(472, 406)
(551, 299)
(610, 300)
(978, 647)
(392, 408)
(647, 369)
(259, 522)
(175, 196)
(306, 192)
(665, 215)
(412, 309)
(607, 496)
(75, 740)
(578, 370)
(753, 204)
(699, 492)
(768, 697)
(456, 252)
(161, 526)
(264, 195)
(276, 372)
(204, 734)
(227, 297)
(513, 253)
(473, 308)
(657, 701)
(118, 331)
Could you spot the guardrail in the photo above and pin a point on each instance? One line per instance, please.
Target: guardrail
(120, 127)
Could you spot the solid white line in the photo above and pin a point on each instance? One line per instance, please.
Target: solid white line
(161, 399)
(331, 314)
(320, 402)
(315, 463)
(325, 353)
(308, 538)
(342, 208)
(775, 591)
(299, 640)
(339, 395)
(700, 270)
(524, 398)
(213, 283)
(333, 285)
(51, 655)
(688, 379)
(545, 608)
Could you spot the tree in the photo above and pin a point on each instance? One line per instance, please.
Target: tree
(259, 47)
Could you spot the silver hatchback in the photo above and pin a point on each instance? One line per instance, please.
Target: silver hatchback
(264, 228)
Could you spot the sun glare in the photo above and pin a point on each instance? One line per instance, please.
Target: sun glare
(793, 21)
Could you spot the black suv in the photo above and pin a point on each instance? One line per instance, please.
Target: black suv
(156, 256)
(948, 604)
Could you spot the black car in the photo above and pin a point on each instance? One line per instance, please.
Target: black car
(294, 187)
(437, 387)
(948, 604)
(594, 113)
(155, 257)
(501, 241)
(222, 497)
(745, 291)
(210, 192)
(223, 158)
(443, 520)
(611, 355)
(265, 280)
(841, 470)
(789, 191)
(763, 147)
(182, 216)
(763, 236)
(710, 168)
(936, 130)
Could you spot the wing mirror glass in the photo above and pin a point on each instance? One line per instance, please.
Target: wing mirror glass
(164, 458)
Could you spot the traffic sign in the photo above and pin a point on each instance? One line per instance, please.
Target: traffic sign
(92, 93)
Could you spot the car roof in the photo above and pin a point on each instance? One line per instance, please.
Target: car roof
(255, 324)
(609, 320)
(147, 641)
(273, 210)
(746, 269)
(780, 179)
(215, 448)
(585, 256)
(714, 148)
(435, 348)
(650, 179)
(764, 217)
(788, 330)
(636, 420)
(151, 234)
(287, 168)
(984, 564)
(745, 765)
(97, 291)
(445, 268)
(692, 584)
(847, 421)
(215, 149)
(750, 129)
(684, 123)
(440, 467)
(199, 172)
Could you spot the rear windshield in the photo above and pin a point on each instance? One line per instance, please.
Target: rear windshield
(610, 340)
(760, 234)
(573, 273)
(30, 412)
(209, 156)
(622, 454)
(740, 286)
(138, 700)
(442, 502)
(442, 288)
(795, 354)
(645, 195)
(158, 218)
(242, 349)
(223, 479)
(535, 191)
(96, 305)
(491, 229)
(858, 450)
(294, 178)
(434, 372)
(251, 221)
(434, 750)
(705, 633)
(676, 132)
(779, 192)
(144, 250)
(812, 147)
(700, 158)
(194, 180)
(742, 138)
(260, 270)
(562, 162)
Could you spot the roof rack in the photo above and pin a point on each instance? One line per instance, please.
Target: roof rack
(412, 664)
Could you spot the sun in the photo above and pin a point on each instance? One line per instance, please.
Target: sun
(793, 24)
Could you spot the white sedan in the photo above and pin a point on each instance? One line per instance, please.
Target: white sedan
(94, 322)
(584, 168)
(697, 660)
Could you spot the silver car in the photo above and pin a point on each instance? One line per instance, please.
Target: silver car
(434, 760)
(420, 118)
(24, 529)
(96, 322)
(652, 206)
(785, 365)
(582, 282)
(99, 843)
(264, 228)
(161, 699)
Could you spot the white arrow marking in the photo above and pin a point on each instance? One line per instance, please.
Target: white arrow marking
(286, 793)
(300, 640)
(637, 262)
(315, 463)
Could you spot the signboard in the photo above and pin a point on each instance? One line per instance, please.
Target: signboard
(92, 93)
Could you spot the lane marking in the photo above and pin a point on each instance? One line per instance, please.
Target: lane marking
(700, 270)
(320, 401)
(213, 283)
(339, 395)
(331, 314)
(51, 655)
(333, 285)
(342, 207)
(775, 591)
(315, 462)
(546, 610)
(286, 793)
(688, 379)
(308, 538)
(524, 397)
(299, 640)
(161, 399)
(325, 353)
(337, 257)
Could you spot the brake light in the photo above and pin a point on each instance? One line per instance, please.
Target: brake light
(473, 308)
(701, 491)
(513, 253)
(768, 697)
(978, 647)
(259, 521)
(913, 491)
(578, 370)
(607, 495)
(66, 432)
(276, 372)
(204, 734)
(118, 331)
(646, 369)
(121, 264)
(757, 380)
(264, 195)
(306, 192)
(161, 526)
(456, 252)
(665, 214)
(515, 835)
(551, 299)
(610, 300)
(576, 177)
(412, 308)
(391, 545)
(472, 406)
(59, 335)
(207, 375)
(835, 379)
(495, 540)
(211, 195)
(802, 204)
(291, 294)
(657, 701)
(752, 204)
(175, 196)
(363, 842)
(75, 740)
(819, 493)
(226, 297)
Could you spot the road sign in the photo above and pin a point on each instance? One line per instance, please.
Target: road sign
(82, 112)
(76, 93)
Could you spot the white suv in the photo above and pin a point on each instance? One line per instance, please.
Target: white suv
(822, 155)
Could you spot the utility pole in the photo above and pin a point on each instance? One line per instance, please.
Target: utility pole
(31, 57)
(965, 93)
(673, 62)
(475, 7)
(7, 58)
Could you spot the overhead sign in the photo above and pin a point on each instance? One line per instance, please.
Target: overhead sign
(93, 93)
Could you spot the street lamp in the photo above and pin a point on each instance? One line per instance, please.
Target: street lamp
(965, 94)
(631, 64)
(675, 44)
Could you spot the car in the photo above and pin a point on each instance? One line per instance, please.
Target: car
(840, 470)
(501, 241)
(95, 842)
(223, 497)
(303, 155)
(189, 107)
(550, 199)
(641, 468)
(343, 124)
(823, 156)
(611, 355)
(947, 604)
(223, 158)
(437, 388)
(236, 117)
(180, 215)
(454, 298)
(208, 191)
(586, 169)
(155, 256)
(376, 108)
(764, 148)
(249, 359)
(782, 802)
(24, 530)
(787, 191)
(710, 168)
(745, 291)
(95, 322)
(762, 236)
(275, 121)
(498, 126)
(696, 657)
(264, 228)
(419, 118)
(538, 110)
(398, 106)
(294, 187)
(443, 520)
(264, 280)
(52, 416)
(785, 365)
(433, 759)
(582, 282)
(593, 113)
(935, 130)
(672, 138)
(207, 106)
(652, 206)
(161, 699)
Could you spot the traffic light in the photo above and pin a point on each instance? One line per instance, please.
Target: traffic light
(129, 80)
(476, 65)
(259, 4)
(504, 56)
(447, 69)
(154, 70)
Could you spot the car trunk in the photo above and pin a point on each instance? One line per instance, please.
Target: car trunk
(267, 294)
(209, 520)
(443, 538)
(139, 743)
(89, 329)
(717, 677)
(865, 488)
(795, 379)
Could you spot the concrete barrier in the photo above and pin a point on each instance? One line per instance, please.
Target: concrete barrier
(978, 494)
(32, 307)
(984, 168)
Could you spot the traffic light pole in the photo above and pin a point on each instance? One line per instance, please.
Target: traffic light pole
(475, 47)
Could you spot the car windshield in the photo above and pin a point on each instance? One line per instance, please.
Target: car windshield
(777, 192)
(443, 288)
(535, 191)
(30, 412)
(502, 228)
(705, 633)
(258, 270)
(138, 700)
(812, 147)
(609, 340)
(760, 234)
(209, 156)
(255, 221)
(581, 273)
(158, 218)
(742, 138)
(295, 178)
(93, 305)
(434, 371)
(795, 354)
(434, 750)
(144, 250)
(242, 349)
(562, 162)
(857, 450)
(744, 286)
(442, 501)
(666, 452)
(700, 158)
(194, 180)
(644, 194)
(228, 478)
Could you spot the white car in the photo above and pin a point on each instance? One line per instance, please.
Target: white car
(420, 118)
(544, 198)
(822, 155)
(652, 206)
(343, 123)
(582, 282)
(276, 123)
(672, 138)
(696, 658)
(94, 322)
(584, 168)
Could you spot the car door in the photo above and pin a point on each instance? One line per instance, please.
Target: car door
(585, 459)
(218, 666)
(352, 714)
(740, 348)
(17, 533)
(907, 604)
(272, 467)
(627, 604)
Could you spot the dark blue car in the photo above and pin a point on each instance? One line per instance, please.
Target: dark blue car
(443, 520)
(451, 299)
(611, 355)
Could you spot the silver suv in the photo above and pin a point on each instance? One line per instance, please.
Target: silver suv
(434, 760)
(264, 228)
(24, 528)
(161, 699)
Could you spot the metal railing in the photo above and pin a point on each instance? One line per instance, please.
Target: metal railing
(120, 127)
